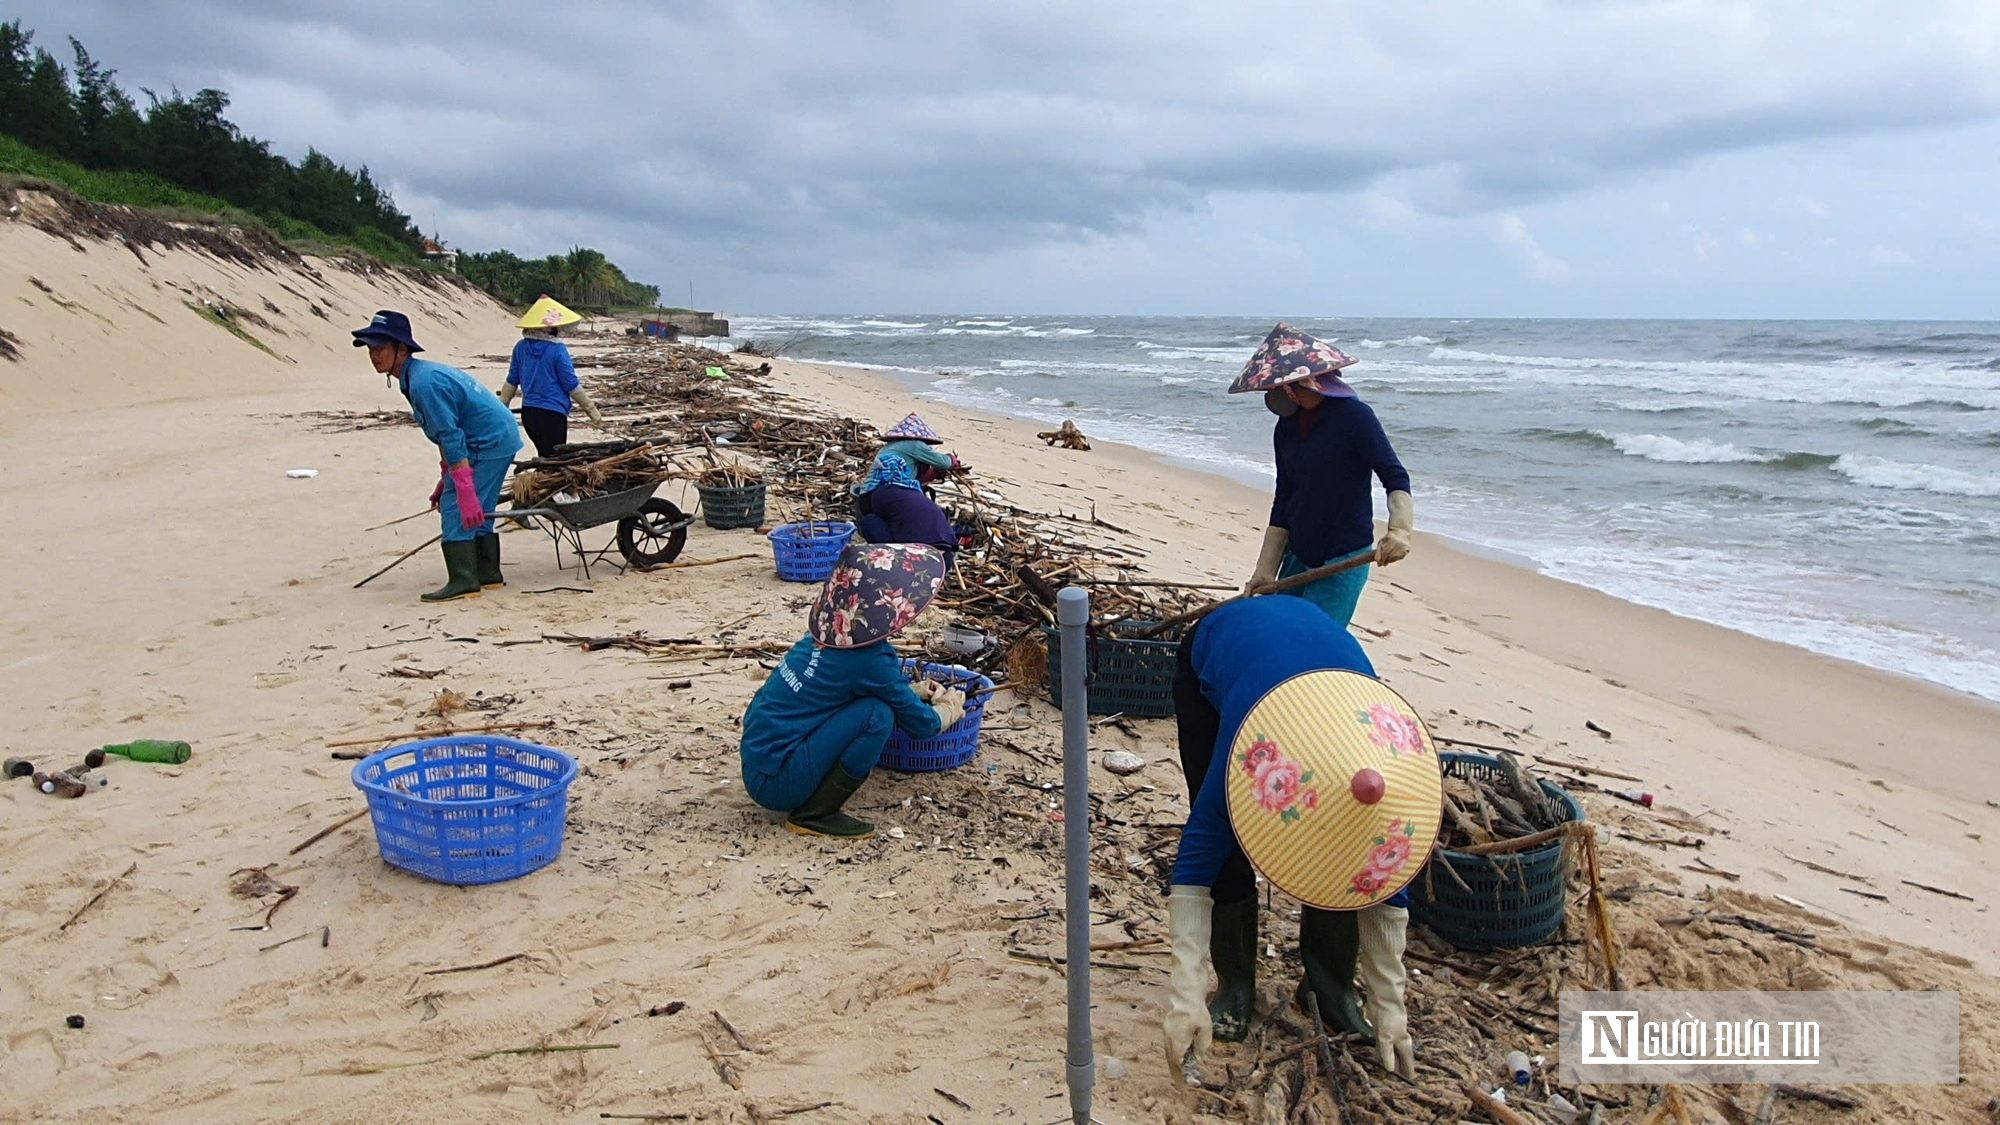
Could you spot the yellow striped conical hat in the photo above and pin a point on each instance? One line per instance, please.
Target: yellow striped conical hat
(547, 313)
(1334, 789)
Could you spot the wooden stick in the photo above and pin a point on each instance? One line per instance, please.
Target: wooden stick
(643, 1116)
(1577, 766)
(399, 561)
(741, 1042)
(405, 519)
(94, 899)
(446, 732)
(1150, 584)
(1517, 844)
(325, 832)
(722, 1067)
(1601, 910)
(1938, 890)
(469, 968)
(1837, 1101)
(541, 1050)
(954, 1099)
(702, 562)
(1280, 586)
(1824, 870)
(1498, 1111)
(1865, 894)
(287, 941)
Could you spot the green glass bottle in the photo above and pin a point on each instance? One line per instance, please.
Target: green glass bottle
(153, 750)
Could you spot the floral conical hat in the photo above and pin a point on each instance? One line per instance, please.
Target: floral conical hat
(912, 428)
(1335, 790)
(1288, 355)
(875, 590)
(547, 313)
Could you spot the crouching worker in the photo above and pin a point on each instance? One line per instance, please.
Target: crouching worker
(1301, 764)
(818, 725)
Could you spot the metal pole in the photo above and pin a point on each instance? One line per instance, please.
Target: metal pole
(1073, 614)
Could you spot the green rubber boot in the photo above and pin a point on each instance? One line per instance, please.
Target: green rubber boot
(821, 815)
(1330, 945)
(461, 565)
(1232, 948)
(490, 577)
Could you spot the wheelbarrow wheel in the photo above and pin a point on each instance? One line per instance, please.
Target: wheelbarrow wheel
(654, 536)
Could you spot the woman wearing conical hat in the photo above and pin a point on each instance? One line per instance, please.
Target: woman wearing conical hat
(1304, 768)
(893, 505)
(1327, 444)
(818, 726)
(543, 375)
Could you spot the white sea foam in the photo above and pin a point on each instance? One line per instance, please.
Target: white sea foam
(1405, 342)
(1699, 451)
(1880, 472)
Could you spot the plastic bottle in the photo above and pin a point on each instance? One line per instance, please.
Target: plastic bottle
(1517, 1065)
(1637, 797)
(93, 759)
(19, 767)
(152, 750)
(60, 785)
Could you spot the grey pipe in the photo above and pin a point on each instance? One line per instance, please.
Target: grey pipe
(1073, 614)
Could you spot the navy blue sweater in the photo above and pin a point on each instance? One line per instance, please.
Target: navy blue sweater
(1323, 497)
(905, 515)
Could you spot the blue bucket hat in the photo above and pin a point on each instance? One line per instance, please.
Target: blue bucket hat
(387, 325)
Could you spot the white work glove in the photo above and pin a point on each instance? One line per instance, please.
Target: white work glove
(1269, 558)
(1190, 918)
(926, 689)
(1384, 931)
(582, 398)
(1402, 520)
(949, 703)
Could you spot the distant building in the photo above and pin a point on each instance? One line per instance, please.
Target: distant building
(437, 253)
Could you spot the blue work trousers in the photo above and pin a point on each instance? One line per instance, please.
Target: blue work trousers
(1337, 595)
(487, 478)
(854, 737)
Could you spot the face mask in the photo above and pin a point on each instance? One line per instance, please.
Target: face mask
(1278, 402)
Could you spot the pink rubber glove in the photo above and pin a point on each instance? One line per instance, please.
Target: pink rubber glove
(470, 514)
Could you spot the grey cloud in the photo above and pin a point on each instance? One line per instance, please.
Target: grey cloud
(911, 130)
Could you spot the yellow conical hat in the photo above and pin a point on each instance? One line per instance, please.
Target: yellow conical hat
(1334, 789)
(547, 313)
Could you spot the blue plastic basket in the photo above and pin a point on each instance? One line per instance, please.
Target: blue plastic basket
(807, 552)
(948, 749)
(1515, 900)
(469, 808)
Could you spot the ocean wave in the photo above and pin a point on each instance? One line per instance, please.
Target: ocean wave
(1892, 427)
(1660, 408)
(1405, 342)
(1049, 402)
(1907, 476)
(985, 323)
(1699, 451)
(893, 324)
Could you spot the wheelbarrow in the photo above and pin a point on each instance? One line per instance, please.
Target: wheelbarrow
(651, 531)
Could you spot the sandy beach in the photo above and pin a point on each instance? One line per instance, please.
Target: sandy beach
(164, 578)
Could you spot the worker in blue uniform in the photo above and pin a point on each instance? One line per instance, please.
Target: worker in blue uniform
(818, 726)
(476, 439)
(1227, 663)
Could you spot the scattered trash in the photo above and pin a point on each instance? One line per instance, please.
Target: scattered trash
(1636, 796)
(1517, 1065)
(1588, 725)
(302, 474)
(60, 785)
(18, 767)
(75, 1023)
(152, 750)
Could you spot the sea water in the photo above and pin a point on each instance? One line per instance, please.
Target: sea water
(1833, 485)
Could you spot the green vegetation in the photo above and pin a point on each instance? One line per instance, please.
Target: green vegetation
(583, 278)
(74, 127)
(224, 317)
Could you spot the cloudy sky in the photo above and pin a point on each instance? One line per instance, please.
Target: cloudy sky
(1425, 157)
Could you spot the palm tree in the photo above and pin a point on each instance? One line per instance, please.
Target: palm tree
(584, 276)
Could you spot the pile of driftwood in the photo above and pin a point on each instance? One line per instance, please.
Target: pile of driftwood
(1483, 809)
(1069, 437)
(579, 472)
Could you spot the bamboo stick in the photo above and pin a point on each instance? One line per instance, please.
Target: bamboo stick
(1280, 586)
(400, 560)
